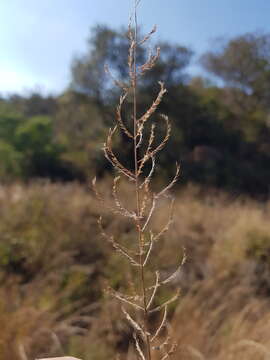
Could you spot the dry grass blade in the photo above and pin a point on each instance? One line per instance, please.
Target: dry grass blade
(22, 352)
(195, 353)
(253, 344)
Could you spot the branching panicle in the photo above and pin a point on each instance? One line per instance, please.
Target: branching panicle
(144, 152)
(152, 59)
(119, 116)
(153, 107)
(148, 36)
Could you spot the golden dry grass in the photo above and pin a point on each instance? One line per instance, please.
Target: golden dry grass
(54, 265)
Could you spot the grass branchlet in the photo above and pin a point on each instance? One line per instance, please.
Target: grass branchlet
(138, 308)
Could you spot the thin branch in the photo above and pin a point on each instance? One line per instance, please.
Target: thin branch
(110, 156)
(171, 184)
(119, 248)
(154, 291)
(163, 321)
(163, 344)
(151, 139)
(139, 143)
(167, 226)
(148, 153)
(147, 37)
(170, 352)
(149, 250)
(152, 153)
(131, 60)
(174, 275)
(116, 82)
(149, 176)
(138, 348)
(134, 324)
(118, 210)
(150, 63)
(145, 199)
(123, 298)
(119, 116)
(150, 213)
(122, 210)
(154, 105)
(171, 300)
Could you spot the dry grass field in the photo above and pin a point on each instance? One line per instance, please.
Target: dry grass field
(55, 265)
(193, 281)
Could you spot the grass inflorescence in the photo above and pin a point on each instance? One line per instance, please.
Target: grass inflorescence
(139, 307)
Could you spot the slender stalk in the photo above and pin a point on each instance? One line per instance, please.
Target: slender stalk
(138, 203)
(145, 201)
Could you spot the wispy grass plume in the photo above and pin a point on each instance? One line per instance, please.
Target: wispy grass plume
(138, 308)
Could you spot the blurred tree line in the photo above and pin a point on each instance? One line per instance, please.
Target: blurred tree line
(220, 126)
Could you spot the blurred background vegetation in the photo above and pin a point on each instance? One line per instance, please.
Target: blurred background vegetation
(53, 264)
(220, 133)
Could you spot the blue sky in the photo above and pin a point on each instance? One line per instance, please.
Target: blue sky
(38, 39)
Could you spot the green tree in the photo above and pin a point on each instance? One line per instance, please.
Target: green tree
(110, 47)
(80, 127)
(243, 64)
(10, 119)
(34, 139)
(10, 162)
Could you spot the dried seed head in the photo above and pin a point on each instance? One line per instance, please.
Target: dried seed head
(145, 150)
